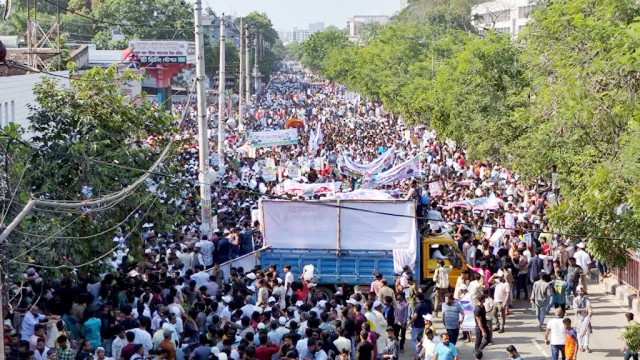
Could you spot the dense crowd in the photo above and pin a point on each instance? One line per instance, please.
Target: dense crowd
(175, 302)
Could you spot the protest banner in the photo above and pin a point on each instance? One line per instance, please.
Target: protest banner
(469, 321)
(435, 189)
(382, 163)
(260, 139)
(298, 189)
(269, 174)
(406, 170)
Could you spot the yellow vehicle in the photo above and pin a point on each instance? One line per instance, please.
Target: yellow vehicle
(443, 247)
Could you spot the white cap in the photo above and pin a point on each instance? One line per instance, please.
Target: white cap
(222, 356)
(257, 309)
(261, 326)
(579, 287)
(267, 309)
(282, 320)
(500, 273)
(351, 301)
(251, 288)
(428, 317)
(251, 276)
(279, 281)
(322, 303)
(227, 298)
(581, 245)
(376, 304)
(299, 303)
(463, 287)
(271, 299)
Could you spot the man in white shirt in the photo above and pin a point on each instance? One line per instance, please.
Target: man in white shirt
(288, 280)
(501, 299)
(143, 337)
(556, 334)
(583, 260)
(429, 343)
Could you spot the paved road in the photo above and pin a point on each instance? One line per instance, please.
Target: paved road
(608, 318)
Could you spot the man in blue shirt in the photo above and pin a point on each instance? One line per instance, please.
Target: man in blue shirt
(445, 350)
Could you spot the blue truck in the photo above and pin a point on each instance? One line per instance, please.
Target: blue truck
(335, 266)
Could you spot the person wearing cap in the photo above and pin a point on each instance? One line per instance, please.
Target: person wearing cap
(502, 292)
(584, 312)
(584, 261)
(100, 354)
(441, 281)
(377, 322)
(428, 323)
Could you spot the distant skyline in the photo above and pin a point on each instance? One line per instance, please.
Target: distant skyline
(287, 14)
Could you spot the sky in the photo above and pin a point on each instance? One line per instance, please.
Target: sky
(287, 14)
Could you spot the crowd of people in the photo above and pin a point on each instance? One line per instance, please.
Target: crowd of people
(175, 302)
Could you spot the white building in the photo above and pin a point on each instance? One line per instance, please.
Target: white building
(403, 4)
(16, 94)
(506, 16)
(316, 27)
(356, 23)
(300, 35)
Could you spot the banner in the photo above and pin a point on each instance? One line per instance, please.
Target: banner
(481, 204)
(269, 174)
(406, 170)
(382, 163)
(298, 189)
(435, 189)
(293, 172)
(469, 322)
(273, 138)
(364, 194)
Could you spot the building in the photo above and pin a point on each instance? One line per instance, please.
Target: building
(300, 35)
(403, 4)
(16, 95)
(212, 28)
(357, 22)
(506, 16)
(316, 27)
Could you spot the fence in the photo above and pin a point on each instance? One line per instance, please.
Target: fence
(630, 274)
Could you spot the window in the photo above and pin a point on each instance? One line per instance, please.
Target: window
(525, 11)
(504, 30)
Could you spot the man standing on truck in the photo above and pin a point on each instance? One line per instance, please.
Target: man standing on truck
(441, 280)
(288, 280)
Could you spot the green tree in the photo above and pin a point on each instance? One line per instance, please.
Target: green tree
(76, 127)
(147, 20)
(270, 47)
(318, 46)
(294, 50)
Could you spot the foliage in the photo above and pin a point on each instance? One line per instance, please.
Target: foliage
(294, 50)
(270, 47)
(318, 46)
(147, 20)
(91, 120)
(631, 336)
(563, 96)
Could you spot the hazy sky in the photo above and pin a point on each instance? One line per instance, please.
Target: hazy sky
(286, 14)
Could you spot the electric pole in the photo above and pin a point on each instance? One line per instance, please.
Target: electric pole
(241, 80)
(256, 81)
(203, 140)
(247, 67)
(222, 79)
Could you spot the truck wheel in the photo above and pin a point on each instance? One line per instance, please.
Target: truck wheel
(327, 291)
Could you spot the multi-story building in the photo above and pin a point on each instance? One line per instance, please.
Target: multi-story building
(300, 35)
(211, 23)
(316, 27)
(403, 4)
(506, 16)
(356, 22)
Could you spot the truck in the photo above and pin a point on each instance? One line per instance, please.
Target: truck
(349, 242)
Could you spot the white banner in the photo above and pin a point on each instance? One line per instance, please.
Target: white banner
(298, 189)
(382, 163)
(260, 139)
(406, 170)
(312, 225)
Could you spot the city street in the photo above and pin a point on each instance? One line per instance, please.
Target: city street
(608, 318)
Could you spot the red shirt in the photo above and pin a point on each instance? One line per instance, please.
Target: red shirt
(266, 352)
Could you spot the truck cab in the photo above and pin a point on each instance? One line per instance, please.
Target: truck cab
(440, 247)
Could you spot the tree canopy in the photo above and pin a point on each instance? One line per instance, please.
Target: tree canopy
(562, 96)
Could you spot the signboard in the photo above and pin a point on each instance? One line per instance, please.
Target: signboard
(229, 83)
(435, 189)
(269, 174)
(260, 139)
(164, 52)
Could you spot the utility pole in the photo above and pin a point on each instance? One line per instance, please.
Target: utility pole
(247, 67)
(222, 79)
(241, 80)
(203, 139)
(256, 80)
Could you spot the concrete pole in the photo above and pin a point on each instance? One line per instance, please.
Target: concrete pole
(247, 67)
(203, 140)
(222, 79)
(241, 80)
(256, 81)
